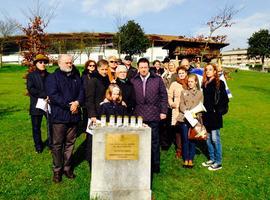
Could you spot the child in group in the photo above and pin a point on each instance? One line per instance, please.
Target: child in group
(189, 98)
(212, 119)
(113, 104)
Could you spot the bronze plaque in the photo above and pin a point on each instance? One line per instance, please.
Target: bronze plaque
(122, 146)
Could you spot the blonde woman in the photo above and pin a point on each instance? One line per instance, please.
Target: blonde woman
(190, 97)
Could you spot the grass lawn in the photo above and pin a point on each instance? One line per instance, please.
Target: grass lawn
(245, 139)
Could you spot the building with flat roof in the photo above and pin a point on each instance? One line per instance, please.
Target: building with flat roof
(238, 57)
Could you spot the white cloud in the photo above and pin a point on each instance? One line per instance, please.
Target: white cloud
(239, 32)
(130, 8)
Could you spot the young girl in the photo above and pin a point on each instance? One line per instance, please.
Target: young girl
(212, 119)
(112, 104)
(190, 98)
(174, 100)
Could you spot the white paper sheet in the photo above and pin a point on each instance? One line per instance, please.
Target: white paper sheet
(43, 105)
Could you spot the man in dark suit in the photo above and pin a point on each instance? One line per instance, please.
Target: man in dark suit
(65, 91)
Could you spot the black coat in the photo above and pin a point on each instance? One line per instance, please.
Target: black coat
(128, 94)
(159, 71)
(85, 78)
(132, 71)
(95, 93)
(86, 75)
(36, 89)
(63, 88)
(212, 120)
(110, 108)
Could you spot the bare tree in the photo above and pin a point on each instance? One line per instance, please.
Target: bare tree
(37, 40)
(39, 9)
(222, 19)
(119, 20)
(8, 27)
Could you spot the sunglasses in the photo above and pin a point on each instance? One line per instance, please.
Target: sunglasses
(91, 65)
(42, 62)
(113, 61)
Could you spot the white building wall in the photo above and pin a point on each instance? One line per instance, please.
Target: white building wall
(151, 53)
(238, 57)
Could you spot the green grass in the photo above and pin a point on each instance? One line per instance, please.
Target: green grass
(245, 139)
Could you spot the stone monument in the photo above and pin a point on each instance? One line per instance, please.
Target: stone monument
(121, 161)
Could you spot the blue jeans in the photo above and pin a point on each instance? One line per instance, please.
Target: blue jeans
(214, 146)
(188, 146)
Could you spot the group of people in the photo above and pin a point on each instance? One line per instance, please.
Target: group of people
(160, 94)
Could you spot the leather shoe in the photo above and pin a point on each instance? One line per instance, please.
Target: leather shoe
(69, 174)
(57, 177)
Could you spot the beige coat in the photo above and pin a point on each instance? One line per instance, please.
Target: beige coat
(174, 94)
(188, 100)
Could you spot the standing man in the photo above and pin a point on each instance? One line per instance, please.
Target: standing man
(151, 104)
(65, 91)
(185, 63)
(132, 71)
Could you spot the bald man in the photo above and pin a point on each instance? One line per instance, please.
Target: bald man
(185, 63)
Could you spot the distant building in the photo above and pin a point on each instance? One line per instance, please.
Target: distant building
(191, 48)
(100, 45)
(238, 57)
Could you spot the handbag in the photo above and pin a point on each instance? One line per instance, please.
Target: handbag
(198, 132)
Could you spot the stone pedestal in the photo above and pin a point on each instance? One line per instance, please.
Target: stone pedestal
(117, 172)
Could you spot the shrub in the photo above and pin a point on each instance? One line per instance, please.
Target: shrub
(257, 67)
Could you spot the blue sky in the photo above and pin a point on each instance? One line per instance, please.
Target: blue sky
(172, 17)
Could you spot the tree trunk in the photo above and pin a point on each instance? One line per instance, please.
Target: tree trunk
(263, 63)
(1, 54)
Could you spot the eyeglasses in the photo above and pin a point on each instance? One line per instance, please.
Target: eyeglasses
(113, 61)
(42, 62)
(91, 65)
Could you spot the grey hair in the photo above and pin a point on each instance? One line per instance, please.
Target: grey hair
(63, 55)
(121, 67)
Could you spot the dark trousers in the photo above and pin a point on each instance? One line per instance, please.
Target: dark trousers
(166, 132)
(88, 149)
(155, 152)
(84, 118)
(188, 150)
(36, 131)
(178, 142)
(64, 137)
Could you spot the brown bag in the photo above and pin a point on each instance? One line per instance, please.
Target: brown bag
(198, 132)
